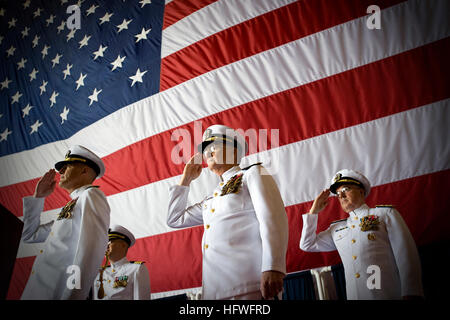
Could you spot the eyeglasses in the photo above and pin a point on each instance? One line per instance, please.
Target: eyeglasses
(210, 148)
(343, 191)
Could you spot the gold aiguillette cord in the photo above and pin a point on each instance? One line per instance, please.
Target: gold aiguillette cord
(101, 290)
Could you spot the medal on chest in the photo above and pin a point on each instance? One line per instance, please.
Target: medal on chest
(233, 185)
(67, 210)
(369, 223)
(121, 281)
(371, 236)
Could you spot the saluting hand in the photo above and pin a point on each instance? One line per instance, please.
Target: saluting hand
(46, 185)
(320, 202)
(192, 170)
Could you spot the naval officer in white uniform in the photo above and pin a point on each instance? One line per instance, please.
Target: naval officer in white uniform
(123, 279)
(377, 250)
(76, 241)
(245, 224)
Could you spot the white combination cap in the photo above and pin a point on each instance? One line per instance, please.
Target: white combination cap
(348, 176)
(221, 133)
(81, 154)
(118, 232)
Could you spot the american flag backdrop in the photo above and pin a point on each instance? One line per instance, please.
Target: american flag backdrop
(138, 73)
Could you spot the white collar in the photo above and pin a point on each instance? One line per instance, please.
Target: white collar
(361, 211)
(230, 172)
(76, 193)
(119, 263)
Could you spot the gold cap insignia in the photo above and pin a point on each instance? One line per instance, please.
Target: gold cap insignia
(207, 134)
(337, 177)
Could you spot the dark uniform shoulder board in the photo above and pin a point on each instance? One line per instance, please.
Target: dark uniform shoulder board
(137, 262)
(255, 164)
(92, 187)
(384, 206)
(338, 221)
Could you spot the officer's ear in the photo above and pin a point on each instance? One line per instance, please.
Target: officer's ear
(126, 246)
(362, 192)
(89, 173)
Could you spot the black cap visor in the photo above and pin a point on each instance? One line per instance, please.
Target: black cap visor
(218, 139)
(117, 235)
(345, 180)
(78, 159)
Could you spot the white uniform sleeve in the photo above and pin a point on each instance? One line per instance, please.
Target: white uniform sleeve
(178, 215)
(312, 242)
(405, 253)
(142, 284)
(92, 242)
(33, 231)
(271, 214)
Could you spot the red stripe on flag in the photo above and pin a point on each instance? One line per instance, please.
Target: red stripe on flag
(301, 113)
(178, 9)
(264, 32)
(174, 259)
(19, 277)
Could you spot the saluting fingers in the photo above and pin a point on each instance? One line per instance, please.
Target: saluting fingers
(195, 159)
(48, 176)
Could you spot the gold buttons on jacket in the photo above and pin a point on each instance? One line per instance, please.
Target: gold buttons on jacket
(206, 246)
(353, 226)
(212, 210)
(357, 275)
(356, 218)
(207, 226)
(41, 251)
(215, 194)
(221, 184)
(353, 240)
(354, 257)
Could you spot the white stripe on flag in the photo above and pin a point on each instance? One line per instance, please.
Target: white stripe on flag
(213, 18)
(344, 47)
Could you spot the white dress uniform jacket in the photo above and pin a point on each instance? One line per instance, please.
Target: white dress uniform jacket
(245, 233)
(137, 281)
(390, 247)
(80, 240)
